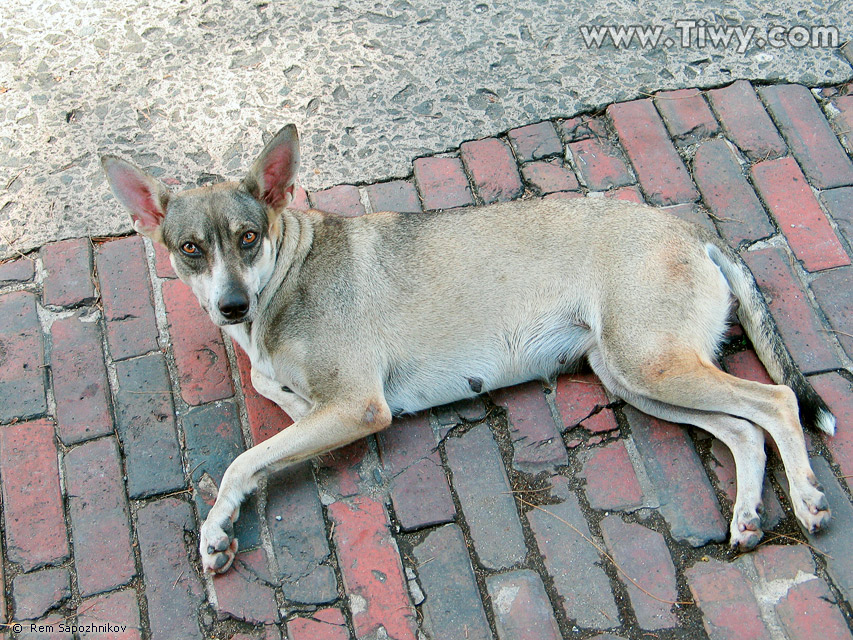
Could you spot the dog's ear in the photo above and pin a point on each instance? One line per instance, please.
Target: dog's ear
(145, 197)
(272, 177)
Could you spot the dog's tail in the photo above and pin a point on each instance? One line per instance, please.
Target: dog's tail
(759, 325)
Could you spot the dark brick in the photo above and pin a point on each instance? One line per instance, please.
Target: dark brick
(197, 344)
(642, 554)
(493, 170)
(126, 296)
(600, 163)
(801, 330)
(601, 422)
(611, 482)
(629, 194)
(343, 200)
(245, 592)
(442, 182)
(537, 444)
(36, 593)
(577, 396)
(485, 495)
(585, 589)
(837, 392)
(372, 571)
(80, 384)
(32, 503)
(692, 213)
(46, 629)
(833, 291)
(68, 279)
(662, 174)
(162, 264)
(3, 611)
(729, 608)
(325, 624)
(843, 121)
(397, 195)
(172, 588)
(737, 210)
(687, 501)
(459, 412)
(563, 195)
(117, 608)
(745, 121)
(145, 422)
(521, 606)
(17, 271)
(213, 439)
(535, 141)
(809, 135)
(581, 127)
(266, 418)
(22, 381)
(342, 470)
(419, 490)
(686, 115)
(100, 518)
(548, 177)
(791, 201)
(839, 203)
(452, 609)
(298, 532)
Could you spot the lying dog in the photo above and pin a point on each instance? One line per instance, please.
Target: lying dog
(350, 321)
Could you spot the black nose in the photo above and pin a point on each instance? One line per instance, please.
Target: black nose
(234, 305)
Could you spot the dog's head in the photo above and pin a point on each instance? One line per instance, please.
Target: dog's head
(222, 239)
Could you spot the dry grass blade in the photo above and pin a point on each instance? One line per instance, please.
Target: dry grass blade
(797, 540)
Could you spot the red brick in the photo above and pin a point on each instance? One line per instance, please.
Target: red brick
(266, 418)
(68, 279)
(197, 344)
(300, 200)
(745, 121)
(642, 554)
(692, 213)
(833, 291)
(601, 422)
(536, 141)
(548, 177)
(686, 115)
(22, 379)
(172, 588)
(46, 629)
(577, 396)
(126, 296)
(452, 609)
(3, 612)
(600, 164)
(581, 127)
(485, 496)
(342, 468)
(36, 593)
(372, 571)
(100, 518)
(118, 608)
(629, 194)
(442, 183)
(662, 174)
(536, 440)
(729, 608)
(837, 392)
(162, 264)
(17, 271)
(32, 503)
(745, 364)
(244, 591)
(843, 121)
(320, 626)
(563, 195)
(80, 383)
(791, 201)
(492, 167)
(587, 598)
(419, 490)
(809, 135)
(801, 330)
(839, 204)
(687, 501)
(343, 199)
(737, 210)
(611, 482)
(397, 195)
(521, 606)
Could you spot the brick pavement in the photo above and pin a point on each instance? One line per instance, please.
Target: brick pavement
(495, 518)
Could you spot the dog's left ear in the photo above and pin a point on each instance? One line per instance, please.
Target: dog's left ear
(145, 197)
(272, 177)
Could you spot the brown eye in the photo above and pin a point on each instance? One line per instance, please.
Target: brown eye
(190, 249)
(249, 238)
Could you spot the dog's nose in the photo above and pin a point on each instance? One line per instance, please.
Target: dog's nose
(234, 305)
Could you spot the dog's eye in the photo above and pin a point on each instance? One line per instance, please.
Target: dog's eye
(249, 238)
(190, 249)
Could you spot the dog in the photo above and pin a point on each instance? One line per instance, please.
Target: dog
(351, 321)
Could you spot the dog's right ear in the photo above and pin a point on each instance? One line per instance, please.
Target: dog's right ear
(272, 177)
(145, 197)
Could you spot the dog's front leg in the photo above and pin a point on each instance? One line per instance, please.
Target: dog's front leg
(292, 404)
(326, 427)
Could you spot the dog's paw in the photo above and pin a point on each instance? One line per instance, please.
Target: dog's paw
(217, 546)
(745, 531)
(812, 509)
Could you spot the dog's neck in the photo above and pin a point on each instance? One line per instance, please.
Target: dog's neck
(292, 244)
